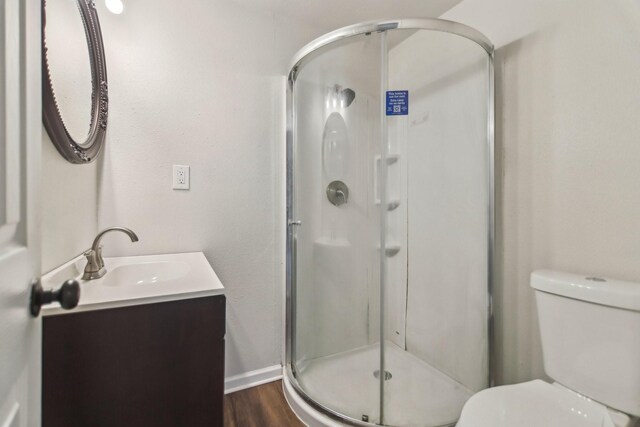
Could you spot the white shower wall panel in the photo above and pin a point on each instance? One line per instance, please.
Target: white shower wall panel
(447, 201)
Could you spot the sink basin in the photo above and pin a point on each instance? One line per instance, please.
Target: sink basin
(137, 280)
(146, 273)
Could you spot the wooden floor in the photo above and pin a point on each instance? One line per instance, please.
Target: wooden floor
(261, 406)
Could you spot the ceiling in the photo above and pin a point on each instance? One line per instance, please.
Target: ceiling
(333, 14)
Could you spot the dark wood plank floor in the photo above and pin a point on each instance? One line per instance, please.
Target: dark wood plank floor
(261, 406)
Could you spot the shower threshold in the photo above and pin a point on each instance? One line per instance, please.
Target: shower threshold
(417, 394)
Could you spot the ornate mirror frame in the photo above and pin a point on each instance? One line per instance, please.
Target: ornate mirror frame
(79, 152)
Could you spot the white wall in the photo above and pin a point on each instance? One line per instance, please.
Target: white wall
(568, 127)
(69, 204)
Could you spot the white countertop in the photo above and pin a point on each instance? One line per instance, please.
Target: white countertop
(140, 280)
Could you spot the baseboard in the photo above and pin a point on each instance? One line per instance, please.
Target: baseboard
(252, 378)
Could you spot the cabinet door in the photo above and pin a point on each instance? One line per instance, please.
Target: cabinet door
(150, 365)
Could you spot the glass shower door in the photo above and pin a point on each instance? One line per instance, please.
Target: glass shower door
(435, 286)
(390, 230)
(334, 230)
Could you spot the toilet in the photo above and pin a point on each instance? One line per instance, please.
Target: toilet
(590, 329)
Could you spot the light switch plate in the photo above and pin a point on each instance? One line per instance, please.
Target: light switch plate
(180, 177)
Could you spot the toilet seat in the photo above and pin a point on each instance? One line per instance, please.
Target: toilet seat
(534, 404)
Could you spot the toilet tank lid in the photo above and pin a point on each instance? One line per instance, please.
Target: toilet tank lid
(614, 293)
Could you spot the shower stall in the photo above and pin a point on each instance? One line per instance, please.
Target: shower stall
(390, 224)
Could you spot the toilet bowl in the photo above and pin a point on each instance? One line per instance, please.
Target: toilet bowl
(590, 330)
(536, 404)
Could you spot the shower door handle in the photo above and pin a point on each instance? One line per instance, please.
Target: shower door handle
(292, 222)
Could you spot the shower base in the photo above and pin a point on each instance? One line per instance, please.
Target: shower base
(416, 394)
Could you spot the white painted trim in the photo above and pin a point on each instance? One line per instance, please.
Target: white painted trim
(252, 378)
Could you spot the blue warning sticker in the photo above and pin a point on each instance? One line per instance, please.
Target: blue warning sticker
(397, 102)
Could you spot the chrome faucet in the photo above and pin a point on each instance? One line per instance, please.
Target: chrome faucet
(95, 263)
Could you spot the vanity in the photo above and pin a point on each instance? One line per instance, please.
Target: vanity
(127, 341)
(144, 346)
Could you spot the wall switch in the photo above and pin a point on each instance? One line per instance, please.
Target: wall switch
(180, 177)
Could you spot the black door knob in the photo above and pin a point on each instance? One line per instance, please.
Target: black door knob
(68, 296)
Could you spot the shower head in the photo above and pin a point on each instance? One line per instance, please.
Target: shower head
(348, 95)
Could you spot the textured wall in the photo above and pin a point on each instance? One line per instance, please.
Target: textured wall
(567, 134)
(70, 208)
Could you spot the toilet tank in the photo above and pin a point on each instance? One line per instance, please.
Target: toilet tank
(590, 329)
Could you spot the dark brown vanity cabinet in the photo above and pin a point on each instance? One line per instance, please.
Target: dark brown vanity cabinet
(152, 365)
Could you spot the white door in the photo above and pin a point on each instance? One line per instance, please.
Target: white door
(20, 140)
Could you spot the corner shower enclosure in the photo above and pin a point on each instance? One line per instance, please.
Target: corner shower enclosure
(390, 223)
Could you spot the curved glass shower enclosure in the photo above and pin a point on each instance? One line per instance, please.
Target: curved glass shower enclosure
(390, 229)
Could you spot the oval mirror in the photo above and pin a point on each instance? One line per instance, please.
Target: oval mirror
(75, 100)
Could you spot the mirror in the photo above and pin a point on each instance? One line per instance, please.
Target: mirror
(75, 99)
(68, 59)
